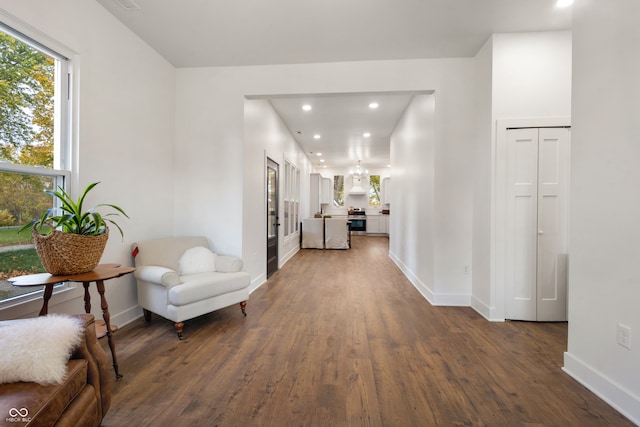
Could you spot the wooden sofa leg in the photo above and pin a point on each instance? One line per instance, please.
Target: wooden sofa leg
(147, 315)
(179, 327)
(243, 306)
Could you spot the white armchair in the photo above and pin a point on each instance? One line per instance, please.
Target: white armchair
(180, 278)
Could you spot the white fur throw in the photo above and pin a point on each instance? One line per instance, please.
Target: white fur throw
(37, 350)
(197, 260)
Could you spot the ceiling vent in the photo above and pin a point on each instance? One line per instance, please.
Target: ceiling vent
(127, 4)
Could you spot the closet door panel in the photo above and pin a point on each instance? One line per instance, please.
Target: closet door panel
(521, 253)
(552, 224)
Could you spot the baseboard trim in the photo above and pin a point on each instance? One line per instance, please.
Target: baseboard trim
(621, 399)
(289, 255)
(484, 310)
(434, 298)
(415, 281)
(257, 282)
(125, 317)
(452, 300)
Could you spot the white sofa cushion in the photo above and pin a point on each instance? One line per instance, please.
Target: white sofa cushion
(197, 260)
(196, 287)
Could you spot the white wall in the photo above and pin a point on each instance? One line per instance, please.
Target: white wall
(604, 251)
(123, 114)
(531, 75)
(265, 135)
(210, 130)
(482, 224)
(412, 229)
(430, 236)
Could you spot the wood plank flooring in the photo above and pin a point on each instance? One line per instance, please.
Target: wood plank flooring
(341, 338)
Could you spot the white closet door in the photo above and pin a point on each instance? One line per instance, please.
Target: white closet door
(522, 223)
(553, 181)
(536, 246)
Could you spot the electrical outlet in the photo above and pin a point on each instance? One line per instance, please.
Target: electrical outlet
(624, 336)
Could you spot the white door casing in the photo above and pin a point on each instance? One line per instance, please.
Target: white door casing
(537, 173)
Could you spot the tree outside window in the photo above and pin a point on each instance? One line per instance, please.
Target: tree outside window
(374, 190)
(27, 111)
(338, 190)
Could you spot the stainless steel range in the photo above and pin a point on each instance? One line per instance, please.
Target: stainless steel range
(358, 221)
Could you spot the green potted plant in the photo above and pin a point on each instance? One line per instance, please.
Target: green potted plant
(69, 239)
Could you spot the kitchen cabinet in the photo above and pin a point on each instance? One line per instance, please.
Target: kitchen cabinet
(388, 217)
(373, 224)
(383, 226)
(320, 192)
(326, 192)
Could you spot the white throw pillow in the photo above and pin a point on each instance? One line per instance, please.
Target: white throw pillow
(37, 350)
(197, 260)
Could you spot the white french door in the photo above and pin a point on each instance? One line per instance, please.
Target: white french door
(537, 223)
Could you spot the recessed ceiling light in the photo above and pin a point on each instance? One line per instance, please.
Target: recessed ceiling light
(388, 166)
(564, 3)
(306, 107)
(366, 134)
(316, 136)
(373, 105)
(318, 154)
(321, 160)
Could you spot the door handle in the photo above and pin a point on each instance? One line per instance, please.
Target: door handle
(540, 232)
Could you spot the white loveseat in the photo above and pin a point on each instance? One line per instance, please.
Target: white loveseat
(180, 278)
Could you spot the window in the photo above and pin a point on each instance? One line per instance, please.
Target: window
(33, 148)
(374, 190)
(291, 198)
(338, 190)
(297, 202)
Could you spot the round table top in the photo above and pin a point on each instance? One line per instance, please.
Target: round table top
(101, 272)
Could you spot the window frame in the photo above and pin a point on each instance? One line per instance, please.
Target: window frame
(291, 200)
(61, 172)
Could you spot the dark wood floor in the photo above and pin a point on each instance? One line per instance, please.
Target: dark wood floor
(341, 338)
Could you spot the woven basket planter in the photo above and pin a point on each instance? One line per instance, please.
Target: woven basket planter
(67, 253)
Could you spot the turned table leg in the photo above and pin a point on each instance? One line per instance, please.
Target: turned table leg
(243, 307)
(107, 321)
(87, 297)
(48, 291)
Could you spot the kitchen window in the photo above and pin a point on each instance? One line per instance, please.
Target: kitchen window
(338, 190)
(374, 190)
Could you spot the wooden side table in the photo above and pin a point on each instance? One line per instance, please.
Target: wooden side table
(99, 274)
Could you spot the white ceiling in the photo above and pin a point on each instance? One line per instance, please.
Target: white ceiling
(205, 33)
(341, 121)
